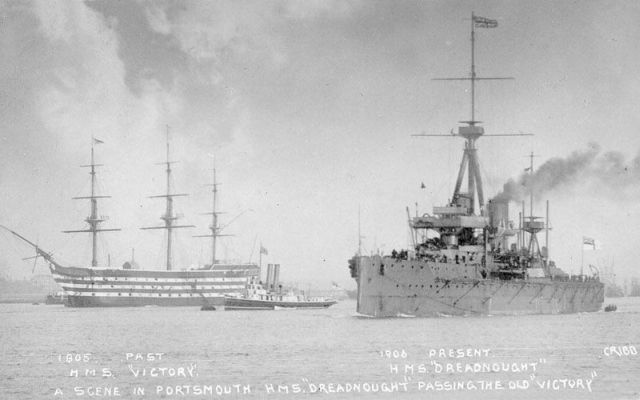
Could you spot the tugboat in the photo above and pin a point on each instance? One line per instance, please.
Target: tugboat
(273, 296)
(464, 260)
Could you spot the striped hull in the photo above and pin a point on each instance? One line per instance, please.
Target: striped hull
(390, 288)
(93, 287)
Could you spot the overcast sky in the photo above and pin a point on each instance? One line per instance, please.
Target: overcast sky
(308, 107)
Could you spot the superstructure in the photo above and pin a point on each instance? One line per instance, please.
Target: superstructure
(467, 256)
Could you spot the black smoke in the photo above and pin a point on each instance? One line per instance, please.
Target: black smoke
(609, 172)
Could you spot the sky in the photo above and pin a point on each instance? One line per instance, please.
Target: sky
(307, 108)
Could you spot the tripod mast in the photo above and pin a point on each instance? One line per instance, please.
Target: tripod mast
(472, 132)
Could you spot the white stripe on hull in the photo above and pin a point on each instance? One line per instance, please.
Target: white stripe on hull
(128, 291)
(148, 295)
(97, 285)
(149, 280)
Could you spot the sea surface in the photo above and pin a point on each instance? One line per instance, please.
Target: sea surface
(53, 352)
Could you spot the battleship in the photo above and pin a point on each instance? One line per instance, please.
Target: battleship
(130, 286)
(463, 259)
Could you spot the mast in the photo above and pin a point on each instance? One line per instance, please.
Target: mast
(546, 233)
(359, 235)
(215, 229)
(532, 226)
(531, 184)
(411, 231)
(471, 132)
(169, 217)
(93, 219)
(473, 70)
(214, 220)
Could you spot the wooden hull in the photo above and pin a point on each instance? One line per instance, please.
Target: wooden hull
(93, 287)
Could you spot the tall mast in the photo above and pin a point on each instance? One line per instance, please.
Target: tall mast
(93, 219)
(169, 217)
(215, 229)
(214, 219)
(473, 70)
(471, 131)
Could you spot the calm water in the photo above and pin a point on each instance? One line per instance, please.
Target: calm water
(333, 353)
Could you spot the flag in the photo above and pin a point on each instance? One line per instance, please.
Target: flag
(97, 141)
(587, 241)
(481, 22)
(263, 251)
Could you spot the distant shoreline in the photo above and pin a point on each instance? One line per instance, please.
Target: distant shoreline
(26, 298)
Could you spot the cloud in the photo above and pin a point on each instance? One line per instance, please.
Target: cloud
(87, 94)
(222, 30)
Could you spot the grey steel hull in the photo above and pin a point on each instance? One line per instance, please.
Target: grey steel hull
(250, 304)
(389, 288)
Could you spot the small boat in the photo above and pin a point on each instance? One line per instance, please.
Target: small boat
(55, 298)
(256, 297)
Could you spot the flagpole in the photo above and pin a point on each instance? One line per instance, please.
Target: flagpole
(582, 258)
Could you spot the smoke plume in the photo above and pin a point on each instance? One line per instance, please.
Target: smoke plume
(609, 173)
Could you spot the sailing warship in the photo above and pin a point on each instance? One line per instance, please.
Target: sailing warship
(472, 267)
(128, 286)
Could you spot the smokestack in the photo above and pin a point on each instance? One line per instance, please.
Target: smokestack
(276, 276)
(268, 281)
(498, 213)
